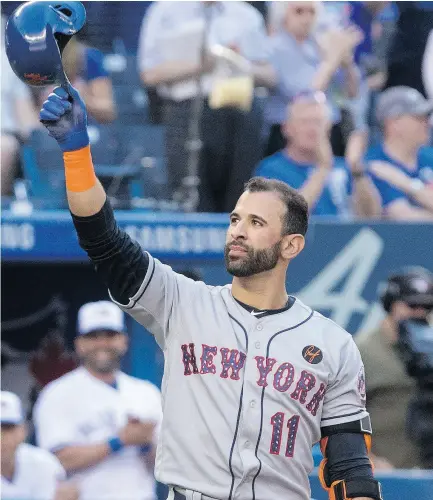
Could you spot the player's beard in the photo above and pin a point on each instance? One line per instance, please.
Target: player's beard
(108, 364)
(253, 262)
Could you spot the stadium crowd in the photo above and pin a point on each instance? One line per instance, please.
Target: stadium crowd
(186, 102)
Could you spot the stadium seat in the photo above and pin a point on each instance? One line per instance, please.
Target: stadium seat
(116, 162)
(43, 168)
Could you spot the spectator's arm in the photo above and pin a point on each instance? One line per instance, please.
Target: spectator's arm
(365, 196)
(352, 78)
(75, 458)
(324, 74)
(337, 48)
(264, 75)
(392, 175)
(26, 113)
(401, 210)
(98, 96)
(98, 92)
(313, 188)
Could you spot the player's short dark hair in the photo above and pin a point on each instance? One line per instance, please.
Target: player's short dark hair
(296, 216)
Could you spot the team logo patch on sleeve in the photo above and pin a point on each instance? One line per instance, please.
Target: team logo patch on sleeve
(312, 354)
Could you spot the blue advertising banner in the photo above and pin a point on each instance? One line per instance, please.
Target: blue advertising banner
(342, 260)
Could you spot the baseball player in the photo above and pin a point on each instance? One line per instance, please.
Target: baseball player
(27, 472)
(100, 422)
(253, 377)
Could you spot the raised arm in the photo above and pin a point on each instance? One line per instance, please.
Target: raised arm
(120, 262)
(140, 284)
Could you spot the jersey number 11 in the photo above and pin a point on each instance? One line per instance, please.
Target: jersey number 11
(277, 422)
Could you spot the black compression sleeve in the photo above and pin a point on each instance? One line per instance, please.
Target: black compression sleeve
(118, 260)
(347, 457)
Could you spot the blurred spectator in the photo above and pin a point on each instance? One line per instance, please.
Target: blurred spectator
(307, 164)
(84, 67)
(101, 423)
(389, 388)
(401, 168)
(405, 56)
(18, 119)
(304, 60)
(427, 69)
(27, 472)
(230, 137)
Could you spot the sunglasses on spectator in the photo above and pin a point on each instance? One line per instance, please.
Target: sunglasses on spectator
(8, 427)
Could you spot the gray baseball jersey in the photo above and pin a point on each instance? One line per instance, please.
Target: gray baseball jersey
(244, 397)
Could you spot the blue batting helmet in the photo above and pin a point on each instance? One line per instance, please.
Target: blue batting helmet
(36, 34)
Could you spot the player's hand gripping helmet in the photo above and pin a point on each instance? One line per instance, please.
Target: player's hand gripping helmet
(36, 34)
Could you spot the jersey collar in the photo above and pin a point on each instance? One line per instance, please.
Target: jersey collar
(261, 313)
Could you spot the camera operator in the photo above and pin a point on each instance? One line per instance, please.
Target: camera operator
(416, 349)
(407, 297)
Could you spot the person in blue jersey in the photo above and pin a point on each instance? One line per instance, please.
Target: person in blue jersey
(330, 187)
(85, 69)
(402, 165)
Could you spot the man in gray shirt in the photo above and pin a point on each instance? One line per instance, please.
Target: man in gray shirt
(174, 56)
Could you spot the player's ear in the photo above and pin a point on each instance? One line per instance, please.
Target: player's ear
(24, 430)
(77, 344)
(292, 245)
(125, 342)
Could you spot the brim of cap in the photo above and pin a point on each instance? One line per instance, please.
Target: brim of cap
(423, 109)
(11, 422)
(102, 329)
(419, 300)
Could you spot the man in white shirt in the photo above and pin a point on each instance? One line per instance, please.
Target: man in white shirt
(101, 423)
(27, 472)
(174, 56)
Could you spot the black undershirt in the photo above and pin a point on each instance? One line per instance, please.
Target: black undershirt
(261, 313)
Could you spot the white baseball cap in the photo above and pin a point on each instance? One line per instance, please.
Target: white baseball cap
(102, 315)
(11, 408)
